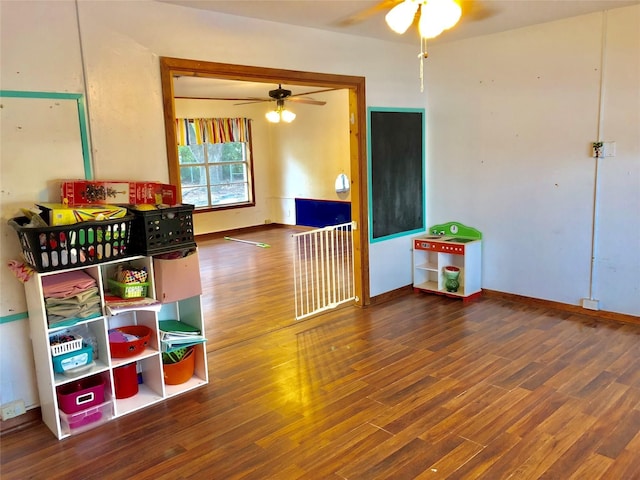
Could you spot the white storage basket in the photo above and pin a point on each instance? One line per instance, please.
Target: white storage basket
(65, 346)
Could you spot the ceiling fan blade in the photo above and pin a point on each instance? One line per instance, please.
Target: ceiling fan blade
(362, 15)
(476, 10)
(315, 91)
(249, 100)
(309, 101)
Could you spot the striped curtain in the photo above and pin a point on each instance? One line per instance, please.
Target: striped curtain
(211, 130)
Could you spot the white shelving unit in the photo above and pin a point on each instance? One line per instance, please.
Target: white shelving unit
(148, 362)
(448, 247)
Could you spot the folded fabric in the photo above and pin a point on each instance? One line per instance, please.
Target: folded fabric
(67, 283)
(65, 306)
(56, 321)
(81, 311)
(72, 307)
(78, 298)
(81, 305)
(89, 295)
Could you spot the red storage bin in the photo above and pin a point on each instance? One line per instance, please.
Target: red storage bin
(125, 349)
(126, 380)
(81, 394)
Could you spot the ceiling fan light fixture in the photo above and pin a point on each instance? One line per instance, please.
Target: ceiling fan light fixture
(401, 16)
(437, 16)
(448, 11)
(287, 116)
(280, 113)
(429, 26)
(273, 116)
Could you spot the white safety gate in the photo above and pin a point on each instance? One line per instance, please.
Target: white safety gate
(323, 269)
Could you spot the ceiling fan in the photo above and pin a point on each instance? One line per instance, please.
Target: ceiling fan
(409, 12)
(281, 94)
(278, 96)
(273, 95)
(432, 16)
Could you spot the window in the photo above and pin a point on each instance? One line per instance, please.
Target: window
(215, 165)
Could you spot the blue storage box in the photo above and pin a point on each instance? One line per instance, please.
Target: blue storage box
(74, 359)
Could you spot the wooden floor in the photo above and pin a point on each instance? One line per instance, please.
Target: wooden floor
(248, 290)
(419, 387)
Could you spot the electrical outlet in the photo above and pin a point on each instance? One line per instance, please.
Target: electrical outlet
(12, 409)
(609, 149)
(590, 304)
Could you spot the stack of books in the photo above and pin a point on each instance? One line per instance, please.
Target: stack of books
(175, 334)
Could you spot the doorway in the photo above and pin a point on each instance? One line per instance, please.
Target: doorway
(172, 67)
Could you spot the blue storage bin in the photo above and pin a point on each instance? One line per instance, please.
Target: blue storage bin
(71, 360)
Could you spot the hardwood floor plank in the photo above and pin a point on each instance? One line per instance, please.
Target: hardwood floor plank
(478, 464)
(544, 402)
(551, 448)
(451, 462)
(575, 459)
(626, 465)
(470, 404)
(593, 468)
(616, 441)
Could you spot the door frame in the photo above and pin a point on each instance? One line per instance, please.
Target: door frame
(170, 67)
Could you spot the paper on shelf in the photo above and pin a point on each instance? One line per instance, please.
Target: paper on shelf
(117, 305)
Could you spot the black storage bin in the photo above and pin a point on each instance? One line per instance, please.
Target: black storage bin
(162, 230)
(48, 249)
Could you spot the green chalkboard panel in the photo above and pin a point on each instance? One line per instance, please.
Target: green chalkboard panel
(396, 172)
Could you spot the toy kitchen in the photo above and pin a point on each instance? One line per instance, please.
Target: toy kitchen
(448, 261)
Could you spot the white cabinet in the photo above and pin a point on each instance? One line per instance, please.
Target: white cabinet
(448, 248)
(148, 360)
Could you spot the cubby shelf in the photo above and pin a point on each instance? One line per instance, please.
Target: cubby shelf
(152, 388)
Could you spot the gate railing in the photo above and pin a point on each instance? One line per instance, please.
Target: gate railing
(323, 269)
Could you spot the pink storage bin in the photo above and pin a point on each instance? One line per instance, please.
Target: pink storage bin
(81, 394)
(86, 419)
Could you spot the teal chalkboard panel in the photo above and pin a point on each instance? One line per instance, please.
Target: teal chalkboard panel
(396, 172)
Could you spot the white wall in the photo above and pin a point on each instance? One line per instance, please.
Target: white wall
(509, 121)
(309, 154)
(617, 275)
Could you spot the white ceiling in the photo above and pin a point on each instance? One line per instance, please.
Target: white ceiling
(366, 18)
(480, 17)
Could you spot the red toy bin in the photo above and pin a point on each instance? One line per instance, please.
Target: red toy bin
(125, 380)
(81, 394)
(139, 339)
